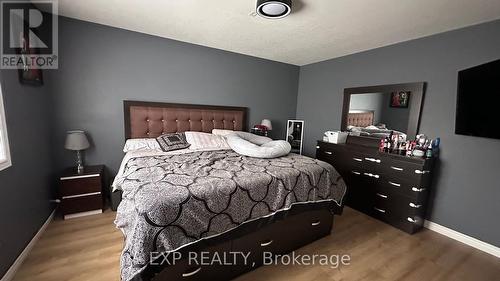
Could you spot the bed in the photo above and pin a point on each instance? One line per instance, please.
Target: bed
(361, 122)
(214, 202)
(360, 118)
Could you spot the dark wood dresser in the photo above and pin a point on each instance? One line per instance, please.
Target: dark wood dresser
(82, 194)
(389, 187)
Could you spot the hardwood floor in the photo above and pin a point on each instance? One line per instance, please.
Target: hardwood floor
(88, 248)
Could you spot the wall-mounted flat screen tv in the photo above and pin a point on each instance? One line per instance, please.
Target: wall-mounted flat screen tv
(478, 101)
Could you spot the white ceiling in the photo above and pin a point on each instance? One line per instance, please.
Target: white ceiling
(316, 30)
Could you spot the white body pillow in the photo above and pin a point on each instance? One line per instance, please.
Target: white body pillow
(257, 146)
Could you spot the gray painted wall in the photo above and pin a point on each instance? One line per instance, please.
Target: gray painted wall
(468, 186)
(101, 66)
(26, 185)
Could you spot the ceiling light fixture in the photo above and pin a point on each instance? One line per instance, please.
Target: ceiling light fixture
(274, 9)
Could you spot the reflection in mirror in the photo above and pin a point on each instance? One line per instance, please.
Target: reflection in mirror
(377, 114)
(295, 134)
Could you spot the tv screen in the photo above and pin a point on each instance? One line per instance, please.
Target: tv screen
(478, 101)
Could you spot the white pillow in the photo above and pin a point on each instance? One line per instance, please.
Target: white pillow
(222, 132)
(257, 146)
(199, 140)
(141, 144)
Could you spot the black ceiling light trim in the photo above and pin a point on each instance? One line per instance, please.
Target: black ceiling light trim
(274, 9)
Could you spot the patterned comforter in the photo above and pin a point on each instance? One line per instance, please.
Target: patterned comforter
(173, 200)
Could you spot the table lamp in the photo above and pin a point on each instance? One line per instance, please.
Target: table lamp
(77, 141)
(267, 123)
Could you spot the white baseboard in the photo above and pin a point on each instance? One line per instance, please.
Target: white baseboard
(460, 237)
(9, 275)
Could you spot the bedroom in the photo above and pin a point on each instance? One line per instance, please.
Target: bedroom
(180, 54)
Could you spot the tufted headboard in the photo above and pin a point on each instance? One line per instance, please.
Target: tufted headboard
(151, 119)
(360, 119)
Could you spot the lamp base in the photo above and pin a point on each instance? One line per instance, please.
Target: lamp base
(79, 162)
(79, 169)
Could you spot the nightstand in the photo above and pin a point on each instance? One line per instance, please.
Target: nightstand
(258, 132)
(82, 194)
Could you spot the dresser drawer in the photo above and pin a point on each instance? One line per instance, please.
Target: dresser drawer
(267, 239)
(329, 154)
(306, 227)
(360, 193)
(83, 185)
(409, 224)
(397, 204)
(196, 268)
(406, 188)
(284, 236)
(82, 204)
(406, 170)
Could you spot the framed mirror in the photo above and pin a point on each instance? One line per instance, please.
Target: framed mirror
(295, 135)
(374, 112)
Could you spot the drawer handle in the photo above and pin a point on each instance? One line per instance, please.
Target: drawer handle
(317, 146)
(380, 210)
(418, 189)
(397, 168)
(81, 195)
(423, 172)
(356, 173)
(316, 223)
(382, 195)
(394, 183)
(373, 160)
(265, 244)
(328, 152)
(372, 175)
(357, 159)
(411, 220)
(191, 273)
(416, 206)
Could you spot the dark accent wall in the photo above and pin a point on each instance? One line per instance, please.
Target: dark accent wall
(101, 66)
(467, 185)
(25, 186)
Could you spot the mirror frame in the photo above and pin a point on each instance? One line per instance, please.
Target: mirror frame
(301, 133)
(416, 90)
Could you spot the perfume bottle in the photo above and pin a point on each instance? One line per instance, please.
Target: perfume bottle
(381, 146)
(408, 149)
(402, 148)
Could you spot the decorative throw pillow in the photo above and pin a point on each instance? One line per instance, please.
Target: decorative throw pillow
(174, 141)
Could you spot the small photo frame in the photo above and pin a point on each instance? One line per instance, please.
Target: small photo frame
(29, 75)
(400, 99)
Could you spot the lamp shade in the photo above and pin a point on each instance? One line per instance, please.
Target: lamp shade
(267, 123)
(76, 140)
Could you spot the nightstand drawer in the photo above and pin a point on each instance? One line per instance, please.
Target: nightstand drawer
(81, 185)
(81, 204)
